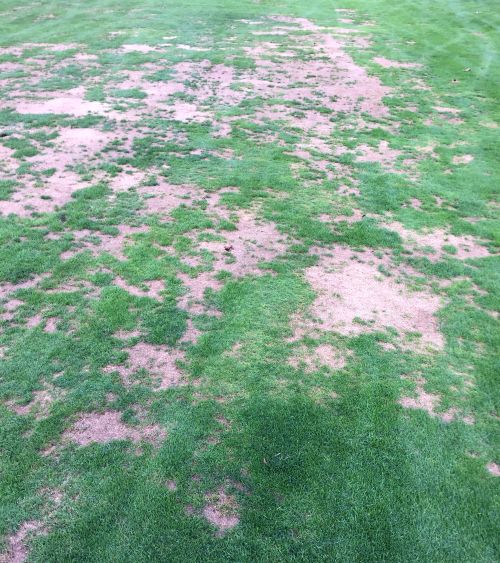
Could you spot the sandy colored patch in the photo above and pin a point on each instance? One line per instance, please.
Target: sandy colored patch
(192, 300)
(72, 102)
(137, 48)
(153, 291)
(356, 216)
(10, 308)
(214, 84)
(163, 198)
(56, 192)
(493, 468)
(187, 112)
(466, 245)
(123, 182)
(354, 297)
(106, 427)
(442, 109)
(332, 74)
(126, 334)
(99, 242)
(429, 402)
(239, 252)
(191, 335)
(383, 154)
(326, 77)
(81, 143)
(159, 361)
(323, 355)
(17, 549)
(235, 351)
(7, 162)
(40, 404)
(221, 511)
(447, 114)
(386, 63)
(463, 159)
(253, 242)
(34, 321)
(51, 325)
(7, 288)
(72, 146)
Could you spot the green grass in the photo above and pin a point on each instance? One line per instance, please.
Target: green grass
(325, 465)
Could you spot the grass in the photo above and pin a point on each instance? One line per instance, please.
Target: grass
(322, 464)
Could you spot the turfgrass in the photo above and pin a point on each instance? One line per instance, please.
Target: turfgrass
(319, 464)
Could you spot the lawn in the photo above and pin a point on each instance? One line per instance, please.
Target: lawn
(249, 281)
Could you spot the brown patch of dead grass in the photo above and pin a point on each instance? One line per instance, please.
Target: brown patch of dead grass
(106, 427)
(354, 297)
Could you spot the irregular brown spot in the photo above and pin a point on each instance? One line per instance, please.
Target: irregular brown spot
(342, 85)
(10, 308)
(386, 63)
(123, 182)
(41, 402)
(126, 334)
(428, 402)
(383, 154)
(252, 242)
(34, 321)
(349, 191)
(222, 420)
(463, 159)
(356, 216)
(466, 245)
(239, 252)
(447, 114)
(493, 468)
(51, 325)
(354, 297)
(98, 242)
(323, 355)
(191, 334)
(17, 550)
(221, 511)
(235, 351)
(155, 287)
(71, 103)
(105, 427)
(163, 198)
(160, 361)
(54, 495)
(137, 48)
(441, 109)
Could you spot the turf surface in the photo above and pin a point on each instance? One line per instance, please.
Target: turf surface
(249, 281)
